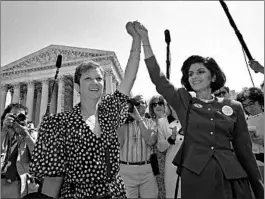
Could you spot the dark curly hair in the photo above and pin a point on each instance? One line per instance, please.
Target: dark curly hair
(10, 107)
(253, 93)
(210, 64)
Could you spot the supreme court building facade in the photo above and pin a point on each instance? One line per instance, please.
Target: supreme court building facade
(30, 79)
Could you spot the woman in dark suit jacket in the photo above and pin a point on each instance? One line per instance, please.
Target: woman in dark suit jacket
(217, 161)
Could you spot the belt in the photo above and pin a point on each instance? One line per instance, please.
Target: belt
(135, 163)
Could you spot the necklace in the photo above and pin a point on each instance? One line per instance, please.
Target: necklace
(206, 100)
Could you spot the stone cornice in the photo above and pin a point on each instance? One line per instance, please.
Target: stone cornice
(19, 72)
(48, 55)
(117, 66)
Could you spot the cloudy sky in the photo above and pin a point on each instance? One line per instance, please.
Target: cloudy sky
(196, 27)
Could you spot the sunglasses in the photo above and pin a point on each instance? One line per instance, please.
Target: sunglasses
(158, 103)
(140, 103)
(222, 93)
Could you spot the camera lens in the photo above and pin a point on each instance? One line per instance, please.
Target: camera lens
(130, 105)
(21, 117)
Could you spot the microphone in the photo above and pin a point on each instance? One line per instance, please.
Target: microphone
(59, 61)
(168, 40)
(58, 66)
(167, 36)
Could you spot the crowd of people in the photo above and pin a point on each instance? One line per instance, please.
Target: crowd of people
(188, 142)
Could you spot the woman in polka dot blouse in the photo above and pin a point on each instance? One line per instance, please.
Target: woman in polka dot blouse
(74, 143)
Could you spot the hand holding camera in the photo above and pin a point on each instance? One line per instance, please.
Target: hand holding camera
(135, 114)
(15, 124)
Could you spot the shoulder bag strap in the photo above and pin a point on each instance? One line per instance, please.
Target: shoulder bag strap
(107, 156)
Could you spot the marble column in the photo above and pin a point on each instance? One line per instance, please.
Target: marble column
(114, 82)
(3, 93)
(30, 98)
(37, 107)
(16, 95)
(109, 86)
(76, 95)
(44, 97)
(60, 97)
(23, 94)
(53, 106)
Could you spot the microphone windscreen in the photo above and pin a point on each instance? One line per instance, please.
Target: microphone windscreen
(167, 36)
(59, 61)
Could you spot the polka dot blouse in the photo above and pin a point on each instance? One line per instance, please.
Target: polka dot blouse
(66, 145)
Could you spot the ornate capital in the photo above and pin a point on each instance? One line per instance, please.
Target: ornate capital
(114, 78)
(108, 72)
(30, 84)
(45, 81)
(4, 87)
(61, 78)
(16, 85)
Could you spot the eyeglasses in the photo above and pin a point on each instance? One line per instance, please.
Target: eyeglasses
(158, 103)
(222, 93)
(251, 103)
(140, 103)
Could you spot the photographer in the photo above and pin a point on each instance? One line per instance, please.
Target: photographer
(17, 142)
(136, 137)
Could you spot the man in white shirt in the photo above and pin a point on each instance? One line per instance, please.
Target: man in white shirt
(136, 140)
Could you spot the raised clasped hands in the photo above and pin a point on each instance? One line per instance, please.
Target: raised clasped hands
(135, 29)
(140, 29)
(131, 30)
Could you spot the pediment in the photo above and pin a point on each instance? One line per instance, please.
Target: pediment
(48, 56)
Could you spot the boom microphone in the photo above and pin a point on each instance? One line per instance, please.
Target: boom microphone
(59, 61)
(58, 66)
(168, 40)
(167, 36)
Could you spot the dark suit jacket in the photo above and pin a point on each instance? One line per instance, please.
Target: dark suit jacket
(210, 132)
